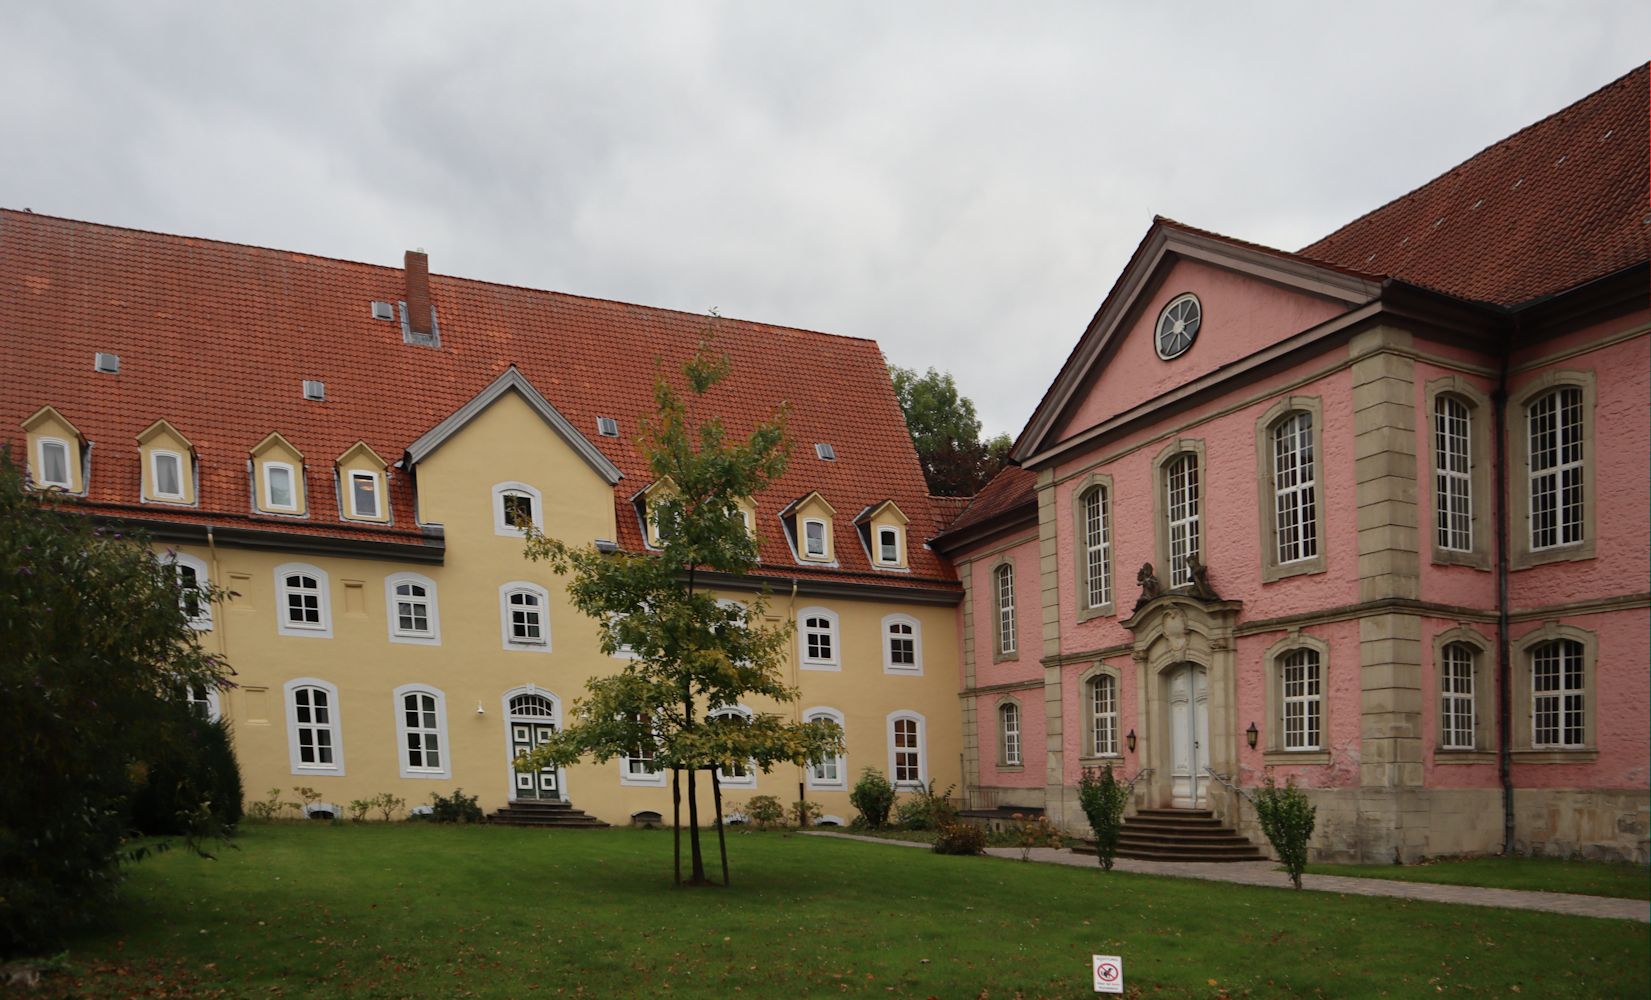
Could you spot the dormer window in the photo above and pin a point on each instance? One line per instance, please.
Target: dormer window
(278, 483)
(167, 468)
(54, 464)
(888, 546)
(814, 539)
(364, 490)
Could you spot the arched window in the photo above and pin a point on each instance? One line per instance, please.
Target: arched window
(829, 773)
(1458, 716)
(1004, 586)
(421, 730)
(413, 614)
(1101, 707)
(735, 773)
(1183, 503)
(1559, 695)
(1557, 456)
(52, 468)
(205, 700)
(1295, 489)
(817, 637)
(1302, 700)
(524, 616)
(908, 761)
(902, 645)
(639, 766)
(515, 506)
(1008, 729)
(1095, 518)
(1452, 473)
(192, 575)
(304, 605)
(314, 737)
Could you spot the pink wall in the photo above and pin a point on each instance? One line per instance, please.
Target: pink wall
(1458, 775)
(1026, 663)
(1241, 316)
(1033, 741)
(1341, 705)
(1072, 716)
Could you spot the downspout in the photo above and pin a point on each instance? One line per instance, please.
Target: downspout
(219, 621)
(1504, 711)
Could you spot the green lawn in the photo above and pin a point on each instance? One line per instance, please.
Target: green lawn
(392, 910)
(1592, 878)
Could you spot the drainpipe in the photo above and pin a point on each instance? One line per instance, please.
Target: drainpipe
(1504, 713)
(219, 622)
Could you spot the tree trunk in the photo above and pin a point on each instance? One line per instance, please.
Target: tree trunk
(722, 839)
(697, 875)
(676, 820)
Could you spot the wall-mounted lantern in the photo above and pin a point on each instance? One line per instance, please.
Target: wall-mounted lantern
(1129, 741)
(1251, 734)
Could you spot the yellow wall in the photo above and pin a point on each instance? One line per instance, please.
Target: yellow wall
(508, 443)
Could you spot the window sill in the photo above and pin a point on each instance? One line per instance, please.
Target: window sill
(1442, 756)
(1296, 757)
(1273, 572)
(1473, 559)
(1102, 760)
(1528, 558)
(1010, 768)
(833, 668)
(1581, 755)
(1102, 611)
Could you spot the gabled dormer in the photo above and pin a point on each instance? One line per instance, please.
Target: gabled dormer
(278, 477)
(168, 464)
(808, 527)
(646, 501)
(56, 452)
(363, 485)
(882, 530)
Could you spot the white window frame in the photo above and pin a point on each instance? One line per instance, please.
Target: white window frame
(68, 481)
(750, 778)
(877, 545)
(202, 620)
(1183, 513)
(1009, 733)
(269, 490)
(1003, 602)
(1452, 473)
(915, 668)
(1565, 436)
(444, 745)
(334, 725)
(921, 749)
(825, 540)
(503, 527)
(1097, 546)
(377, 479)
(1563, 647)
(507, 634)
(840, 761)
(1295, 488)
(209, 698)
(653, 777)
(283, 623)
(1308, 699)
(392, 610)
(155, 456)
(1102, 735)
(832, 632)
(1457, 669)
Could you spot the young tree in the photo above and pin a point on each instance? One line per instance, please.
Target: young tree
(946, 433)
(98, 656)
(691, 652)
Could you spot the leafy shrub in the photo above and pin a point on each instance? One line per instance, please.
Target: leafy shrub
(927, 809)
(1030, 832)
(388, 805)
(1103, 798)
(270, 807)
(193, 784)
(765, 811)
(960, 838)
(358, 809)
(1287, 819)
(804, 813)
(455, 808)
(873, 797)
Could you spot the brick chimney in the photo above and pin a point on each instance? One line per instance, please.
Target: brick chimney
(418, 292)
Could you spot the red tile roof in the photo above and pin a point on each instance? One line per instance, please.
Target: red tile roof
(1012, 489)
(217, 337)
(1553, 206)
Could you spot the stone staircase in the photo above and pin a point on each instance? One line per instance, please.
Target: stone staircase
(545, 813)
(1179, 835)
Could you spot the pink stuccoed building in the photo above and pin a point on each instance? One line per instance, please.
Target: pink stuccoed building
(1371, 516)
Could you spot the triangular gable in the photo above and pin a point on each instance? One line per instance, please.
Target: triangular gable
(49, 413)
(875, 510)
(795, 505)
(358, 449)
(513, 381)
(1165, 243)
(274, 438)
(163, 426)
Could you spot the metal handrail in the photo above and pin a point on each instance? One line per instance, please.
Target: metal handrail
(1241, 793)
(1143, 772)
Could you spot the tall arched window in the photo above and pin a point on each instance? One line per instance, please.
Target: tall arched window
(1183, 503)
(304, 605)
(908, 763)
(828, 773)
(524, 616)
(1004, 585)
(1097, 547)
(1101, 702)
(1458, 717)
(1558, 695)
(902, 645)
(421, 731)
(1302, 700)
(1452, 473)
(1295, 489)
(1557, 456)
(817, 637)
(314, 737)
(1008, 728)
(413, 616)
(735, 773)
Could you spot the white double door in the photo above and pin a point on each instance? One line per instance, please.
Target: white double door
(1189, 734)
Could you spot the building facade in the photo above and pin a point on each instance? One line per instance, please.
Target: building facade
(284, 427)
(1370, 517)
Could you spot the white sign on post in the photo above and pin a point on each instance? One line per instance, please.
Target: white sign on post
(1109, 973)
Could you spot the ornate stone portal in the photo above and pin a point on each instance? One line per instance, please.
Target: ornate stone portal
(1186, 686)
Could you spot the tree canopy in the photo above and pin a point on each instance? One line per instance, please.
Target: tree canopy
(946, 433)
(691, 652)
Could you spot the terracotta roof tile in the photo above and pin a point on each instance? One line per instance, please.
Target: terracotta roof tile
(1552, 206)
(1012, 488)
(217, 337)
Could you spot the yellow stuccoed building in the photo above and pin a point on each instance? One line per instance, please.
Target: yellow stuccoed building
(285, 428)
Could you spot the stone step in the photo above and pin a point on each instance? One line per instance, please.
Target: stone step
(1219, 838)
(1223, 854)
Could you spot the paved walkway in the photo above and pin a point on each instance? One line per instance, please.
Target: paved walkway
(1267, 873)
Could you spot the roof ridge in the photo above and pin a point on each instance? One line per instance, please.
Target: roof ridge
(1638, 69)
(328, 258)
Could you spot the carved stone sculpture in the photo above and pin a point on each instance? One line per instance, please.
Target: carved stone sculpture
(1150, 587)
(1200, 585)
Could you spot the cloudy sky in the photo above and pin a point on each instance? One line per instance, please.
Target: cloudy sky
(960, 181)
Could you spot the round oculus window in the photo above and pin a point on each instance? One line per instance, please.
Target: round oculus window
(1178, 325)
